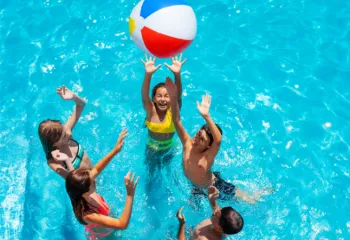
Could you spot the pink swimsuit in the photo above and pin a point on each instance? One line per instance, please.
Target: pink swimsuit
(102, 209)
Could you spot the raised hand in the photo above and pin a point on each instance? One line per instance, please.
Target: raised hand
(65, 93)
(149, 64)
(204, 106)
(130, 183)
(59, 156)
(176, 64)
(170, 87)
(181, 217)
(213, 193)
(120, 141)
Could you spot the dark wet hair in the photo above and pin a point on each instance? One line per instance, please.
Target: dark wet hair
(49, 132)
(231, 221)
(77, 183)
(155, 88)
(206, 128)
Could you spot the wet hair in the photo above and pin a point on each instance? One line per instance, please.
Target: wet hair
(49, 132)
(206, 128)
(77, 183)
(231, 221)
(155, 88)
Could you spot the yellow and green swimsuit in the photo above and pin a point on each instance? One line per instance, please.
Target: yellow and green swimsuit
(165, 127)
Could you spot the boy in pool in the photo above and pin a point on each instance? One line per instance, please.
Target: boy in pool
(224, 221)
(199, 153)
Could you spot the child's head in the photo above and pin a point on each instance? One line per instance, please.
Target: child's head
(204, 138)
(227, 221)
(50, 132)
(79, 183)
(160, 97)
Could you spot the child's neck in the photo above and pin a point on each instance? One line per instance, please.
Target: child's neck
(161, 114)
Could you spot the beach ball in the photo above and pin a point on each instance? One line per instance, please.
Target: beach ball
(162, 28)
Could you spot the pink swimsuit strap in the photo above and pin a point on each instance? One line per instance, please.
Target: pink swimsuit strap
(91, 234)
(102, 209)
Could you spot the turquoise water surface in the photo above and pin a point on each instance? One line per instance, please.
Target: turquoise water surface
(278, 72)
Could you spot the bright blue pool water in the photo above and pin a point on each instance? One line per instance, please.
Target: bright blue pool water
(278, 72)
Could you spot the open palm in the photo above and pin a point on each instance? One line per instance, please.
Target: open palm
(176, 64)
(204, 106)
(149, 64)
(59, 156)
(120, 141)
(65, 93)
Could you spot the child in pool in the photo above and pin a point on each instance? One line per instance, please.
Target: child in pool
(90, 209)
(199, 153)
(55, 136)
(158, 114)
(224, 221)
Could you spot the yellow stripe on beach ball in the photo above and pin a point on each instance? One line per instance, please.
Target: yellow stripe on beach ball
(132, 26)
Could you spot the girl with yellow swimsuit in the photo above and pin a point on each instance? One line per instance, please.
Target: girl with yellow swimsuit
(161, 128)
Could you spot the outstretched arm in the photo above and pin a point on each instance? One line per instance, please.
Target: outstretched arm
(67, 94)
(123, 222)
(213, 194)
(203, 109)
(149, 70)
(176, 69)
(182, 221)
(171, 88)
(97, 169)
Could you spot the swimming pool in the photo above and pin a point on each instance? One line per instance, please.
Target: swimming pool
(278, 72)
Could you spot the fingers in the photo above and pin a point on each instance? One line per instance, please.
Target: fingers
(158, 66)
(137, 180)
(124, 132)
(180, 57)
(167, 65)
(122, 135)
(144, 63)
(198, 105)
(183, 62)
(59, 90)
(206, 97)
(127, 176)
(180, 216)
(180, 210)
(146, 57)
(211, 189)
(130, 182)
